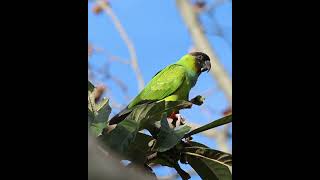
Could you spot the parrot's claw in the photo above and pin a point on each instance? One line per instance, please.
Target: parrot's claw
(170, 122)
(175, 120)
(180, 120)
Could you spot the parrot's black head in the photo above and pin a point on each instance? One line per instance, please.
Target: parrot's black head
(203, 61)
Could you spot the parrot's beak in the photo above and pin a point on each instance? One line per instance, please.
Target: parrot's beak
(206, 66)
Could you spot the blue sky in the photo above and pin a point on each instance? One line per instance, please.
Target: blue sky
(160, 38)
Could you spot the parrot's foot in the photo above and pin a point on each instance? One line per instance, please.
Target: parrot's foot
(180, 120)
(176, 120)
(171, 122)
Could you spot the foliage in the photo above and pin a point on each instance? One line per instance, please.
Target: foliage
(167, 146)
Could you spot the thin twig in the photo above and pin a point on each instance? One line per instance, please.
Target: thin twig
(127, 41)
(108, 76)
(215, 4)
(219, 30)
(110, 56)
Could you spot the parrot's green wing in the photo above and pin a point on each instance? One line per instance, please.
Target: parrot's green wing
(163, 84)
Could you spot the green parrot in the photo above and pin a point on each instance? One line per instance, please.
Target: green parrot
(172, 83)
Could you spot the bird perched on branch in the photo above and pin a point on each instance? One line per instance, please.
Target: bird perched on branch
(172, 83)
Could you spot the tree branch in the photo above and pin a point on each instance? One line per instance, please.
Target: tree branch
(127, 41)
(202, 44)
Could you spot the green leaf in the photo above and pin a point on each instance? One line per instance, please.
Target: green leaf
(151, 113)
(222, 157)
(208, 169)
(204, 150)
(139, 148)
(170, 158)
(91, 103)
(103, 111)
(219, 122)
(90, 116)
(98, 114)
(97, 128)
(146, 114)
(120, 138)
(196, 144)
(163, 161)
(91, 108)
(167, 137)
(145, 169)
(90, 87)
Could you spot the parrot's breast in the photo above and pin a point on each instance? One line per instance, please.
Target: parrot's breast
(182, 93)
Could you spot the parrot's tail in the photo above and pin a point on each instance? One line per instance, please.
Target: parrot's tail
(120, 116)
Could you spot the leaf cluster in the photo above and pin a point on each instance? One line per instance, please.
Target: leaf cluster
(167, 145)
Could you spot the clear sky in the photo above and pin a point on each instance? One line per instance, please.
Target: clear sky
(160, 38)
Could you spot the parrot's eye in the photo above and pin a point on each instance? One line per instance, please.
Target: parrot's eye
(200, 57)
(199, 64)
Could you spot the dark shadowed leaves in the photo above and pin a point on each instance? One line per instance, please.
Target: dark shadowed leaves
(170, 158)
(103, 111)
(126, 139)
(208, 163)
(90, 87)
(139, 148)
(98, 114)
(203, 150)
(97, 128)
(144, 169)
(141, 116)
(208, 169)
(169, 105)
(167, 137)
(120, 138)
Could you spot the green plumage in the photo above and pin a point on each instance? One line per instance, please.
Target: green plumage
(170, 84)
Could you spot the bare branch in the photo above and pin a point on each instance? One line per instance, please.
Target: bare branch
(202, 44)
(110, 56)
(121, 84)
(127, 41)
(215, 4)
